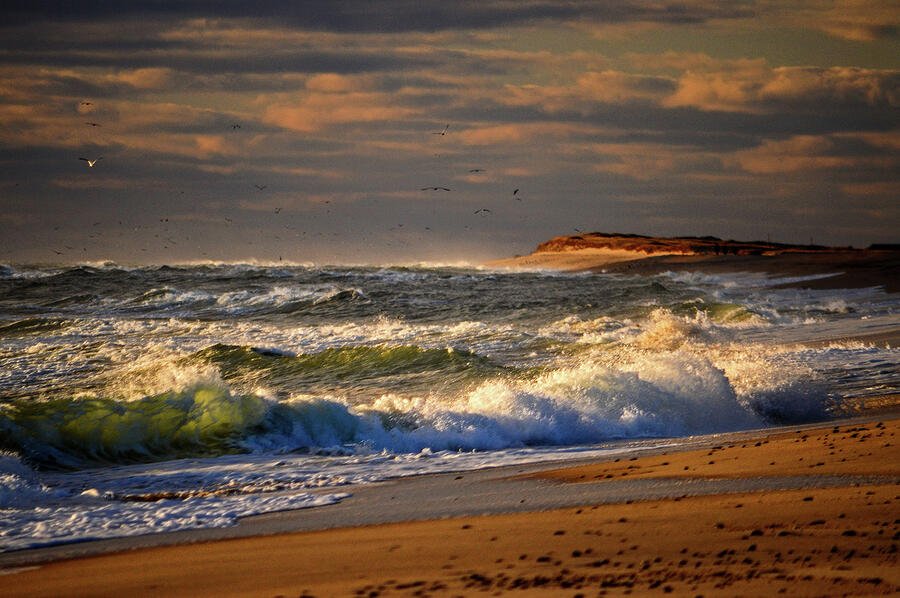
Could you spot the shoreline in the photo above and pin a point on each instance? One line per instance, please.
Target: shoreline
(554, 497)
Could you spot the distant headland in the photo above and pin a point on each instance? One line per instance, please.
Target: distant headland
(876, 265)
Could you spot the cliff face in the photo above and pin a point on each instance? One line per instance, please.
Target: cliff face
(684, 245)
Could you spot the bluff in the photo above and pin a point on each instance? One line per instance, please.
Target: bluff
(682, 245)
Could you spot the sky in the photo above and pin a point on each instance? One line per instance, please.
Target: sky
(326, 131)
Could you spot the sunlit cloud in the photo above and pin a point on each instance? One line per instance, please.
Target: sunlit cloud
(856, 20)
(515, 133)
(756, 87)
(314, 111)
(645, 161)
(810, 153)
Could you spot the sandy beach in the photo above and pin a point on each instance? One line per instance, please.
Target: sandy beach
(831, 530)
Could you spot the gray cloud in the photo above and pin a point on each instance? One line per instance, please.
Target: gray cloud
(356, 16)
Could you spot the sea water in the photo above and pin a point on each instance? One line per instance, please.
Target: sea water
(138, 400)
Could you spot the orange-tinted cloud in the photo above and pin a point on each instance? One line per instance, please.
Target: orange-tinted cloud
(588, 89)
(642, 161)
(515, 133)
(335, 83)
(856, 20)
(315, 111)
(147, 78)
(755, 87)
(801, 152)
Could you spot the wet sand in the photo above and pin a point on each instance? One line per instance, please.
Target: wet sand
(832, 529)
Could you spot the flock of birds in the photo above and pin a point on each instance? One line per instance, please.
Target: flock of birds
(482, 211)
(92, 162)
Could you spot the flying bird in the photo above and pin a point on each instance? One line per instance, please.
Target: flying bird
(442, 131)
(476, 170)
(482, 211)
(260, 187)
(434, 189)
(235, 126)
(92, 124)
(91, 162)
(515, 194)
(85, 103)
(277, 210)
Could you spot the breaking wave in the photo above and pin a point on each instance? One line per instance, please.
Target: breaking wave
(642, 395)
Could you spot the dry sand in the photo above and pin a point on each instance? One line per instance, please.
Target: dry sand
(568, 261)
(816, 541)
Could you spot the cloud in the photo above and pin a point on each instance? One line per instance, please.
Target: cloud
(147, 78)
(588, 90)
(647, 161)
(85, 181)
(802, 152)
(889, 189)
(855, 20)
(315, 111)
(359, 16)
(617, 87)
(511, 134)
(821, 152)
(335, 83)
(753, 86)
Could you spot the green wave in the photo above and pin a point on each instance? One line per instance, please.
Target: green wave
(32, 326)
(345, 364)
(204, 419)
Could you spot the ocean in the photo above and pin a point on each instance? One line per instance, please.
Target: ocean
(136, 400)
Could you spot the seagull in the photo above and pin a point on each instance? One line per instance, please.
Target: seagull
(92, 124)
(482, 211)
(91, 162)
(260, 187)
(442, 131)
(434, 189)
